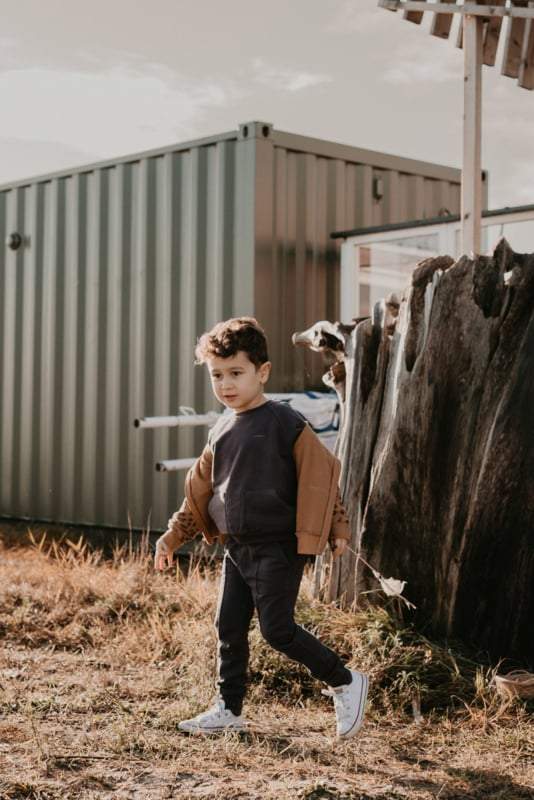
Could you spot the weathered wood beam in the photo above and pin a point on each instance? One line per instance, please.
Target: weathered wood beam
(414, 16)
(519, 49)
(442, 23)
(449, 509)
(435, 447)
(460, 36)
(526, 68)
(492, 29)
(491, 36)
(472, 166)
(514, 44)
(473, 9)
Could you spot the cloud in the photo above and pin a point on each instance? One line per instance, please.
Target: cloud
(8, 52)
(430, 62)
(507, 118)
(350, 17)
(286, 79)
(108, 111)
(25, 158)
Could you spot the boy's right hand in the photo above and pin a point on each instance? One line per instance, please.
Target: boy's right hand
(162, 555)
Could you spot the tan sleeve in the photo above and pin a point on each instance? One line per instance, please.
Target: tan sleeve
(340, 528)
(180, 528)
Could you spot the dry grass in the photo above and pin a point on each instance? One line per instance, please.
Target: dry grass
(101, 658)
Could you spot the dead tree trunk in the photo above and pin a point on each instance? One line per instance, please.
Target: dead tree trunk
(437, 452)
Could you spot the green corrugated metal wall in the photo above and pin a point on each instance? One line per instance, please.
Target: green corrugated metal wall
(125, 263)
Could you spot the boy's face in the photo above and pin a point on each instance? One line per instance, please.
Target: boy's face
(236, 381)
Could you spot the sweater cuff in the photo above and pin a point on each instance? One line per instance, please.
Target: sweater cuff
(307, 543)
(340, 531)
(340, 528)
(172, 540)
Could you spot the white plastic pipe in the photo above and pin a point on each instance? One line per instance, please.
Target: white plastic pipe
(175, 465)
(185, 420)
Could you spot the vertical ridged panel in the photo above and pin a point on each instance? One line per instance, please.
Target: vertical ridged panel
(115, 288)
(8, 286)
(70, 420)
(25, 476)
(47, 364)
(162, 260)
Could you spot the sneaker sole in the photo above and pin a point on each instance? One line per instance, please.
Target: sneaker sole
(214, 729)
(358, 722)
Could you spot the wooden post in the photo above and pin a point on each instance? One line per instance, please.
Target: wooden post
(472, 167)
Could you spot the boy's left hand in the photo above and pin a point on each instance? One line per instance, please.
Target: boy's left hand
(339, 548)
(163, 556)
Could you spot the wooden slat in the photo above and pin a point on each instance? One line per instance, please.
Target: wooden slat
(414, 16)
(526, 69)
(460, 39)
(514, 44)
(441, 24)
(518, 60)
(414, 9)
(460, 36)
(491, 36)
(472, 133)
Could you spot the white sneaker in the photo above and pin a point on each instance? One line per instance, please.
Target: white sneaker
(349, 704)
(216, 718)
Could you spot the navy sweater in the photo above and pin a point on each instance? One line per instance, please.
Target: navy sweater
(254, 477)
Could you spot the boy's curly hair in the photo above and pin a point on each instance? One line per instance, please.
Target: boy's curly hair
(226, 338)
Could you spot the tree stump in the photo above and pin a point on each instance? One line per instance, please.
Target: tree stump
(437, 452)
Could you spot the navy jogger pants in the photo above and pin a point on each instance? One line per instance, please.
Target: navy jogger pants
(265, 577)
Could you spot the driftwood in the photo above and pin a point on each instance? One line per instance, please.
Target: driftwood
(437, 451)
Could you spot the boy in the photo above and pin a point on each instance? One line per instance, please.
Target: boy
(265, 487)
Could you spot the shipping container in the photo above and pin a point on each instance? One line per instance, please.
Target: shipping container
(111, 271)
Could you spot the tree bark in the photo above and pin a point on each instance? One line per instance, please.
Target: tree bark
(437, 452)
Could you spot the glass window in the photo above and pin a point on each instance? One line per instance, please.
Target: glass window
(386, 267)
(520, 235)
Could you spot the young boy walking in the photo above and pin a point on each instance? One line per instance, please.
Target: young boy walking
(266, 488)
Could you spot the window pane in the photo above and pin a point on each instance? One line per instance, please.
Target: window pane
(387, 266)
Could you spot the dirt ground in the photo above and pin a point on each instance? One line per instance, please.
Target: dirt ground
(92, 688)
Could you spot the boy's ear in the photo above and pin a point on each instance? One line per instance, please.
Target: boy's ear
(265, 369)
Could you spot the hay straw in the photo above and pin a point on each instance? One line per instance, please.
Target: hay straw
(518, 683)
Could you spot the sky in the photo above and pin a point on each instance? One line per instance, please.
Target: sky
(81, 82)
